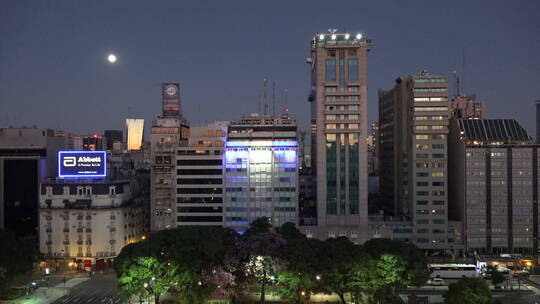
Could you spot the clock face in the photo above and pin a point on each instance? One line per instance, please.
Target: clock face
(170, 90)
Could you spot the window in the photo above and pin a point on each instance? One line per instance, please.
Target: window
(437, 174)
(353, 126)
(438, 203)
(422, 203)
(438, 222)
(438, 155)
(422, 221)
(421, 174)
(330, 89)
(331, 126)
(330, 70)
(422, 137)
(438, 136)
(422, 184)
(353, 116)
(422, 155)
(353, 69)
(330, 98)
(422, 193)
(353, 107)
(425, 109)
(422, 147)
(437, 146)
(353, 98)
(437, 127)
(420, 118)
(438, 184)
(330, 117)
(437, 117)
(422, 211)
(419, 128)
(353, 88)
(422, 165)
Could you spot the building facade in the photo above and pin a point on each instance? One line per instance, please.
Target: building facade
(199, 183)
(338, 131)
(88, 221)
(413, 121)
(467, 107)
(27, 155)
(495, 193)
(112, 136)
(135, 132)
(169, 131)
(261, 171)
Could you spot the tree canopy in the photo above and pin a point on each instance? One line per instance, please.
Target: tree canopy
(468, 291)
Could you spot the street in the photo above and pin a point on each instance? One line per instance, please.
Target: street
(100, 289)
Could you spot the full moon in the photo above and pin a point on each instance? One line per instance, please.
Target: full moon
(111, 58)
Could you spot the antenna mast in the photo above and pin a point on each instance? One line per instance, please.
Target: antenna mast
(273, 99)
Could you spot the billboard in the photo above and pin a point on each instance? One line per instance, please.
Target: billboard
(72, 164)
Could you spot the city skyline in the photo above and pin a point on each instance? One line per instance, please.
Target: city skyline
(56, 55)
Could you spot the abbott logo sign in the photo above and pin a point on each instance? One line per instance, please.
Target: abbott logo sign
(82, 164)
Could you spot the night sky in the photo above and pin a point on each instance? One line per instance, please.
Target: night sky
(54, 73)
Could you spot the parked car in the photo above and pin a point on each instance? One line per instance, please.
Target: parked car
(436, 282)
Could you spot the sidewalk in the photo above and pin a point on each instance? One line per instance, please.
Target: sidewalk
(47, 295)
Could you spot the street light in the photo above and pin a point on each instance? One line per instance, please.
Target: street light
(318, 277)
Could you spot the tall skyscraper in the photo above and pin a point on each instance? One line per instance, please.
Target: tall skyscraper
(169, 131)
(413, 121)
(339, 130)
(135, 131)
(112, 136)
(538, 121)
(261, 171)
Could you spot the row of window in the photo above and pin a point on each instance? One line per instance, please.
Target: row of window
(427, 136)
(342, 89)
(426, 183)
(342, 116)
(426, 109)
(435, 117)
(433, 211)
(430, 99)
(426, 147)
(426, 155)
(426, 174)
(343, 108)
(423, 80)
(342, 98)
(424, 127)
(434, 202)
(431, 90)
(433, 193)
(434, 221)
(341, 126)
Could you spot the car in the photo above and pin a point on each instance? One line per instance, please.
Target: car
(436, 282)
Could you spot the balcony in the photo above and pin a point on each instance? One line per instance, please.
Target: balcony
(88, 229)
(80, 242)
(80, 229)
(66, 242)
(88, 242)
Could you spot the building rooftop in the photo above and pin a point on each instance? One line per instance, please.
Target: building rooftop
(501, 131)
(340, 39)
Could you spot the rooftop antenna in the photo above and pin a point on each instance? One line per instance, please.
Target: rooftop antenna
(462, 62)
(456, 77)
(259, 105)
(286, 102)
(273, 99)
(265, 97)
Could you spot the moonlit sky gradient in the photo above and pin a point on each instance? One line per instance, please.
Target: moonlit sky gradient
(54, 71)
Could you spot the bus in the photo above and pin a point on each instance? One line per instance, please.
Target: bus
(452, 271)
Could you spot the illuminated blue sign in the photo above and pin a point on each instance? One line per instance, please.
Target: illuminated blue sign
(72, 164)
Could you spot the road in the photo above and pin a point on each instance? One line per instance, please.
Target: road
(100, 289)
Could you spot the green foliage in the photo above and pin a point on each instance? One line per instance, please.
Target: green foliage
(260, 225)
(416, 271)
(468, 291)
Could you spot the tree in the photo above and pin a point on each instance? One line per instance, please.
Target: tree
(468, 291)
(337, 259)
(375, 277)
(497, 277)
(260, 225)
(263, 254)
(416, 271)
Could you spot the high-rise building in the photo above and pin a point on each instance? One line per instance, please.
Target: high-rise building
(135, 131)
(93, 142)
(467, 107)
(169, 131)
(413, 121)
(261, 171)
(338, 129)
(27, 155)
(112, 136)
(538, 121)
(199, 184)
(494, 185)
